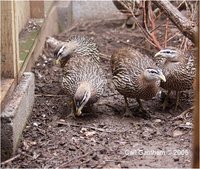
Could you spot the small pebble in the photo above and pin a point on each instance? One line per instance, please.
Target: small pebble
(35, 124)
(157, 121)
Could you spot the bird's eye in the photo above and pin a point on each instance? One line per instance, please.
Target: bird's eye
(84, 98)
(77, 103)
(153, 71)
(60, 51)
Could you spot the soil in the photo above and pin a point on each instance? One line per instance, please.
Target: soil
(105, 138)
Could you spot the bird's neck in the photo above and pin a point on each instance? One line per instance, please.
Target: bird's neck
(147, 82)
(83, 87)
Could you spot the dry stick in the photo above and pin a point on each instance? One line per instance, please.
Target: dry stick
(76, 125)
(10, 160)
(48, 95)
(181, 116)
(152, 21)
(166, 31)
(148, 37)
(62, 165)
(72, 27)
(94, 128)
(153, 36)
(173, 36)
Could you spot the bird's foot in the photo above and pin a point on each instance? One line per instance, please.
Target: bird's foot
(128, 113)
(165, 104)
(140, 112)
(145, 113)
(71, 115)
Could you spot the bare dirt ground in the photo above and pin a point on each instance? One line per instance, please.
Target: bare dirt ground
(106, 138)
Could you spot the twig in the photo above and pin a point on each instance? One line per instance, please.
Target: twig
(181, 116)
(173, 36)
(63, 165)
(148, 37)
(94, 128)
(49, 95)
(166, 32)
(76, 125)
(153, 35)
(10, 160)
(111, 106)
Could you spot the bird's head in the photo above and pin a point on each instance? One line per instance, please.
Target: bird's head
(81, 97)
(171, 54)
(64, 52)
(152, 74)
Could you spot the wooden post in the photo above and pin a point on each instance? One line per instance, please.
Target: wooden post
(9, 40)
(37, 9)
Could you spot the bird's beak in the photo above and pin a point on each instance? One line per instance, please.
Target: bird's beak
(158, 54)
(162, 77)
(57, 61)
(78, 111)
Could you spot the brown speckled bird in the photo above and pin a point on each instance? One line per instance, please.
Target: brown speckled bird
(179, 70)
(84, 81)
(124, 6)
(135, 76)
(77, 46)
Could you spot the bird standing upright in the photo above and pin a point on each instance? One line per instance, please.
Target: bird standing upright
(179, 70)
(135, 76)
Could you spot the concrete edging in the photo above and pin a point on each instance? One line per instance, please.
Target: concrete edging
(15, 114)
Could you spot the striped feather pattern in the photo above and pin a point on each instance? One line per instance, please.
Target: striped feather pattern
(180, 74)
(83, 47)
(128, 66)
(83, 69)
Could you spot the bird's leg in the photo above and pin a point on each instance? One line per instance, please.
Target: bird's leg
(127, 113)
(140, 104)
(165, 103)
(141, 108)
(177, 100)
(72, 106)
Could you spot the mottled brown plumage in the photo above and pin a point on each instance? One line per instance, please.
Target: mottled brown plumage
(179, 70)
(83, 78)
(84, 81)
(77, 46)
(135, 75)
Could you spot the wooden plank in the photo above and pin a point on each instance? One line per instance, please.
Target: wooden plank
(9, 40)
(7, 87)
(37, 9)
